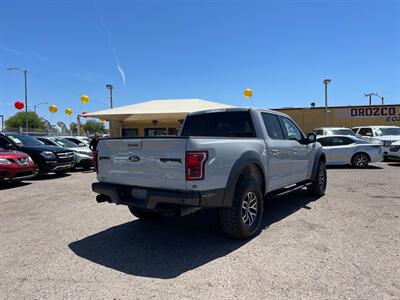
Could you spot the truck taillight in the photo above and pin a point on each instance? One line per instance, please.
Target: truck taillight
(195, 164)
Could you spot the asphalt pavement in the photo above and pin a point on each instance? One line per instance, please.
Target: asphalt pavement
(56, 242)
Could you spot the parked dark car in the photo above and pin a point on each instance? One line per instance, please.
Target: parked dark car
(83, 155)
(47, 158)
(16, 166)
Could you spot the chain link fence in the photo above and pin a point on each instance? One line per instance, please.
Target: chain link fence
(45, 132)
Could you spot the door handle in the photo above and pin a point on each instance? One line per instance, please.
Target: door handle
(274, 151)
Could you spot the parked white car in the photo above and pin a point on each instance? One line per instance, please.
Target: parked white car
(344, 150)
(394, 151)
(333, 131)
(384, 134)
(78, 140)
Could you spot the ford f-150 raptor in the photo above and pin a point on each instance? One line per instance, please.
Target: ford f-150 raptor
(227, 158)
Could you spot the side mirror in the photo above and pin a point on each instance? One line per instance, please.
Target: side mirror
(9, 147)
(311, 137)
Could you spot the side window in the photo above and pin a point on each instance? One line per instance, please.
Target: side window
(355, 129)
(319, 132)
(365, 131)
(46, 142)
(292, 131)
(325, 141)
(341, 141)
(273, 127)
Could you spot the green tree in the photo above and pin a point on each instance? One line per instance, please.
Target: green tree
(73, 126)
(18, 120)
(94, 126)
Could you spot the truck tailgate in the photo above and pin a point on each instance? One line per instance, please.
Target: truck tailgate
(145, 162)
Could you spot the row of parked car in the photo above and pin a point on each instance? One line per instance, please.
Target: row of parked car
(23, 157)
(359, 146)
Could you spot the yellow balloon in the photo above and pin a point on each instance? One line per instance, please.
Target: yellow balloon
(53, 108)
(68, 111)
(85, 99)
(248, 93)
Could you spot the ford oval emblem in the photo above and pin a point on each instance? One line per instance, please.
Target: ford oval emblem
(134, 158)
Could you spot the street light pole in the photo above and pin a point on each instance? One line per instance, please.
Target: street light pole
(326, 82)
(34, 106)
(26, 103)
(26, 95)
(2, 122)
(110, 87)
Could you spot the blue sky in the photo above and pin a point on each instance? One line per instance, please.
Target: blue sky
(198, 49)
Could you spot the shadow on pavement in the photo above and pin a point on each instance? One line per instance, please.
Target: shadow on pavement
(350, 167)
(394, 164)
(12, 185)
(50, 176)
(171, 246)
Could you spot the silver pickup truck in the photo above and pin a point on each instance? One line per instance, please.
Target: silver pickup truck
(228, 159)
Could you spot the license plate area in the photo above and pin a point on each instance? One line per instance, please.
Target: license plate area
(138, 193)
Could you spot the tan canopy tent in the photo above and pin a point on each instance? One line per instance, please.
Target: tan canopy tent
(144, 118)
(172, 109)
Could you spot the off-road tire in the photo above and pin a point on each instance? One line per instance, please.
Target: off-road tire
(318, 186)
(232, 219)
(144, 213)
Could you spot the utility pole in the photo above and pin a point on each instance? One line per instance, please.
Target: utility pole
(26, 95)
(110, 87)
(369, 95)
(78, 125)
(326, 82)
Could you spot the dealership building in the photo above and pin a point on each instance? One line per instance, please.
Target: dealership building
(165, 117)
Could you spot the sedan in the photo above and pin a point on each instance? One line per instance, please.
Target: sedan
(16, 166)
(344, 150)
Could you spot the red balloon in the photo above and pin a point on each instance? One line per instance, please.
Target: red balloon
(19, 105)
(84, 113)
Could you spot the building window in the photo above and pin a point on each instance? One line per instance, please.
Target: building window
(172, 131)
(154, 131)
(130, 132)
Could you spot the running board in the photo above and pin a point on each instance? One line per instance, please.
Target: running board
(288, 189)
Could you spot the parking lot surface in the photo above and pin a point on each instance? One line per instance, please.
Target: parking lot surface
(57, 242)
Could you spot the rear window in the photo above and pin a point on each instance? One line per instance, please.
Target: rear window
(221, 124)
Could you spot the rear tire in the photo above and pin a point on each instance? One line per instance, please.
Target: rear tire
(242, 220)
(144, 213)
(318, 186)
(360, 160)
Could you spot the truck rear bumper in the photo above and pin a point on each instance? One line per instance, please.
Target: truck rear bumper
(149, 198)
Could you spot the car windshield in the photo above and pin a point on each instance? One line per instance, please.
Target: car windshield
(24, 140)
(388, 131)
(340, 132)
(63, 142)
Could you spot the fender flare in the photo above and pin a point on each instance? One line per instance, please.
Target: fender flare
(247, 159)
(318, 156)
